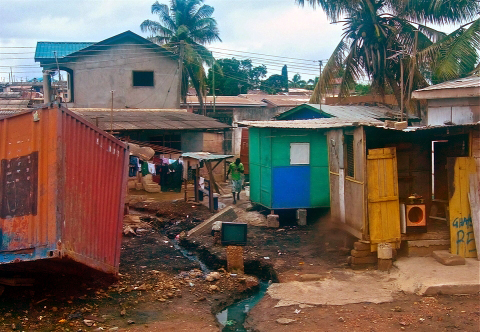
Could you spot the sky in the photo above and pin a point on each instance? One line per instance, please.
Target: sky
(280, 31)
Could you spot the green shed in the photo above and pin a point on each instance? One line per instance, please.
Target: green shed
(288, 167)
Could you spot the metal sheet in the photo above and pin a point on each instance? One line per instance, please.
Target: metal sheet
(287, 180)
(76, 212)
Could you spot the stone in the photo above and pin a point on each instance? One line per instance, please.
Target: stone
(341, 319)
(384, 264)
(214, 288)
(213, 276)
(123, 312)
(235, 258)
(401, 125)
(364, 260)
(285, 321)
(113, 328)
(361, 253)
(88, 322)
(273, 221)
(361, 246)
(446, 258)
(310, 277)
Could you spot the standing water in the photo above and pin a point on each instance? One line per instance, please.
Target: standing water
(233, 317)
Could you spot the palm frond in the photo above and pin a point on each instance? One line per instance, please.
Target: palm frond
(331, 71)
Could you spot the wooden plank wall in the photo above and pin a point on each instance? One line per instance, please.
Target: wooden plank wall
(347, 195)
(354, 187)
(476, 148)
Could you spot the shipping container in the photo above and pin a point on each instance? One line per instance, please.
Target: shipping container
(62, 188)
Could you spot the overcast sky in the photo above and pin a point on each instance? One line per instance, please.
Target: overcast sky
(274, 27)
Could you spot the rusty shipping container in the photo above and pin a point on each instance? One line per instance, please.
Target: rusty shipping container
(62, 188)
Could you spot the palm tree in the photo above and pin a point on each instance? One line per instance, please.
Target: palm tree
(297, 82)
(187, 24)
(378, 34)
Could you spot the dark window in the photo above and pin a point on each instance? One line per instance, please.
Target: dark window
(143, 78)
(349, 156)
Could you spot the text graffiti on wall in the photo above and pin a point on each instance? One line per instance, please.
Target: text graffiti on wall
(461, 223)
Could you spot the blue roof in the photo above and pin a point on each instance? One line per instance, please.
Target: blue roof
(45, 50)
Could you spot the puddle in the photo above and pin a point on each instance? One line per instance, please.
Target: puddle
(233, 317)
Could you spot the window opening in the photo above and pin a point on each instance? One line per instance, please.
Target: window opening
(350, 156)
(143, 78)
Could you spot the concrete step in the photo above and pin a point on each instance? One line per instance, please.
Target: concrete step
(424, 248)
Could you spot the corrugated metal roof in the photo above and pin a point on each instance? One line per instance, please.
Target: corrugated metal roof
(277, 100)
(323, 123)
(46, 50)
(139, 119)
(4, 113)
(358, 112)
(467, 82)
(226, 101)
(206, 156)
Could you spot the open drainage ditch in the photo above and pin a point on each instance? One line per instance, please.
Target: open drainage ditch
(232, 317)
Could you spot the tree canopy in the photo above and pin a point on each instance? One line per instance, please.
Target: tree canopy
(234, 76)
(379, 34)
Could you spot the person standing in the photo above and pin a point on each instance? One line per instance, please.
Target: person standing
(237, 170)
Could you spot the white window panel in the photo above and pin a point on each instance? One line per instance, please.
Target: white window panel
(299, 153)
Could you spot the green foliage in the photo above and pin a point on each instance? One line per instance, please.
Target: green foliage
(274, 84)
(233, 76)
(297, 82)
(362, 89)
(377, 31)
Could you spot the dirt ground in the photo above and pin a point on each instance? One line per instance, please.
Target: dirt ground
(159, 289)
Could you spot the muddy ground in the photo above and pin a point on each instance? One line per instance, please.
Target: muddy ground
(161, 290)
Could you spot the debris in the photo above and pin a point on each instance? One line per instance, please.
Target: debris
(142, 287)
(446, 258)
(341, 319)
(88, 322)
(266, 257)
(297, 311)
(123, 312)
(303, 306)
(214, 288)
(130, 322)
(205, 227)
(213, 276)
(310, 277)
(285, 321)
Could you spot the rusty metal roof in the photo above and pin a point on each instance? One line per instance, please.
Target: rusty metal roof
(14, 104)
(226, 101)
(323, 123)
(466, 82)
(469, 85)
(142, 119)
(277, 100)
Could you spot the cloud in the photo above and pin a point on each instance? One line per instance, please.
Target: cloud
(278, 28)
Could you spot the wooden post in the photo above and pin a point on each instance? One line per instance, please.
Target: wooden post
(210, 196)
(210, 176)
(195, 183)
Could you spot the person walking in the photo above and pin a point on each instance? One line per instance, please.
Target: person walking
(237, 170)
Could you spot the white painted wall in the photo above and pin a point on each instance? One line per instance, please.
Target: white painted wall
(458, 111)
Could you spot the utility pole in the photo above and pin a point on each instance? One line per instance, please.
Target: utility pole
(180, 70)
(400, 57)
(213, 81)
(320, 62)
(111, 115)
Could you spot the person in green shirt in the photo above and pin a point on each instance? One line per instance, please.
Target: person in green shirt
(237, 170)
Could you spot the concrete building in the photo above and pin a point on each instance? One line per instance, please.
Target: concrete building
(140, 73)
